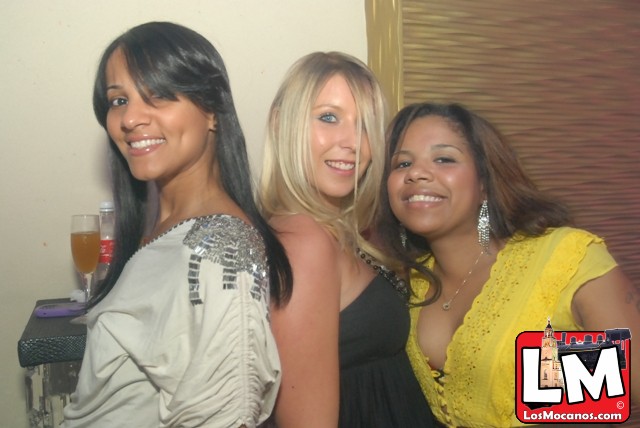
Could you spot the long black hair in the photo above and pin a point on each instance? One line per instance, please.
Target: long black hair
(168, 59)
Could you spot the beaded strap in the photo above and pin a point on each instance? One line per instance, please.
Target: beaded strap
(398, 283)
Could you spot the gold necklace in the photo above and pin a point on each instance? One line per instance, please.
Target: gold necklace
(447, 305)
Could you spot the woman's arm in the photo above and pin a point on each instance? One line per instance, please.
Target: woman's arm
(611, 301)
(306, 329)
(231, 369)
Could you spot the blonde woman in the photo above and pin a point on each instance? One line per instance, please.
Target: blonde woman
(341, 337)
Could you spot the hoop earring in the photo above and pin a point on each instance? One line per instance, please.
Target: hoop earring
(484, 226)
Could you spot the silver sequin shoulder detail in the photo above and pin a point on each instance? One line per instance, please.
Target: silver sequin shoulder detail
(231, 243)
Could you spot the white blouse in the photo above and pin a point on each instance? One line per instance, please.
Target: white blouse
(183, 338)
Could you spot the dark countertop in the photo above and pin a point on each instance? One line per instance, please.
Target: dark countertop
(51, 340)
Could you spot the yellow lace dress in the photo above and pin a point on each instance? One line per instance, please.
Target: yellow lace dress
(532, 279)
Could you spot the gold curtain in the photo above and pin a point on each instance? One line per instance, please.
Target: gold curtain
(560, 79)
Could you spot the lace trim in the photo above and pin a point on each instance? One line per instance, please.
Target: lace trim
(511, 281)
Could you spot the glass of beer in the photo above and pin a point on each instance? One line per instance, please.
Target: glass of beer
(85, 247)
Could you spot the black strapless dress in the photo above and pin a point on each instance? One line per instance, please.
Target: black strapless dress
(377, 386)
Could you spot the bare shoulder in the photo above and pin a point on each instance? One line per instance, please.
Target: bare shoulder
(295, 223)
(314, 256)
(307, 327)
(303, 236)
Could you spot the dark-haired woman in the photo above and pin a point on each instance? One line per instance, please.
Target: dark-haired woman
(178, 333)
(492, 257)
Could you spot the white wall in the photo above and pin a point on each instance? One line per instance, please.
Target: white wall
(52, 158)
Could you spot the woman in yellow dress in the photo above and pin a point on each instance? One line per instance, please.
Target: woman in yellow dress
(491, 256)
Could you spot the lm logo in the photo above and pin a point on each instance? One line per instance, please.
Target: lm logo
(573, 376)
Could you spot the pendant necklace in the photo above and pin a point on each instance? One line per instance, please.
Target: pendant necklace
(447, 305)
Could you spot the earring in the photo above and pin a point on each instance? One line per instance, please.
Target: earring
(403, 237)
(484, 226)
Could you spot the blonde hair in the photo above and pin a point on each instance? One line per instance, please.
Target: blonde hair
(287, 175)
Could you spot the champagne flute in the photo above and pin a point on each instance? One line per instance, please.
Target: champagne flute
(85, 247)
